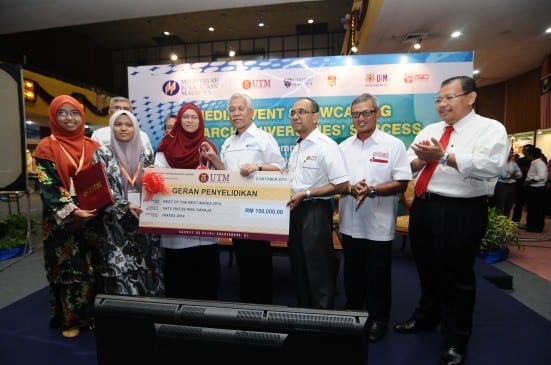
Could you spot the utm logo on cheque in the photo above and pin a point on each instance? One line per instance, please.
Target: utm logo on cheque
(203, 177)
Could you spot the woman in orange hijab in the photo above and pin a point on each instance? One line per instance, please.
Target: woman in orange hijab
(68, 235)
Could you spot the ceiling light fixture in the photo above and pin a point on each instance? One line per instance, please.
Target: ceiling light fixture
(548, 30)
(354, 49)
(231, 53)
(414, 40)
(211, 29)
(310, 21)
(476, 72)
(166, 32)
(456, 34)
(261, 24)
(173, 57)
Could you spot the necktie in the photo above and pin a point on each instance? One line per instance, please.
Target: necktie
(426, 174)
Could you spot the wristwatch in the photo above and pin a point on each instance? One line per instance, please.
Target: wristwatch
(372, 192)
(444, 159)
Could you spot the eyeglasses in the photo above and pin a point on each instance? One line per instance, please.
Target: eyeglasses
(192, 117)
(365, 113)
(65, 113)
(301, 112)
(240, 109)
(449, 98)
(118, 107)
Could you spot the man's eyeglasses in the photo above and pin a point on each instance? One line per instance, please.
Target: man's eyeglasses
(365, 113)
(65, 113)
(239, 109)
(118, 107)
(300, 112)
(448, 98)
(192, 117)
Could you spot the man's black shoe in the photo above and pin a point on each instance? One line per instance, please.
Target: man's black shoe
(451, 356)
(376, 331)
(413, 326)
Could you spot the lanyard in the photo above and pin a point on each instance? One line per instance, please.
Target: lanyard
(132, 180)
(80, 163)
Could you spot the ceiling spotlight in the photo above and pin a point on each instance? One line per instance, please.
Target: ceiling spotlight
(456, 34)
(211, 29)
(354, 49)
(173, 57)
(476, 72)
(548, 30)
(310, 21)
(261, 24)
(166, 32)
(231, 53)
(417, 45)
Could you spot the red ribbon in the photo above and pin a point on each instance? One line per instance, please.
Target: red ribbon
(153, 183)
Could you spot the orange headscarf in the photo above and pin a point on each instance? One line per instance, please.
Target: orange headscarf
(51, 149)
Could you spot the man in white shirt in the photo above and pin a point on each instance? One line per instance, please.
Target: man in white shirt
(318, 173)
(379, 170)
(103, 135)
(248, 150)
(449, 214)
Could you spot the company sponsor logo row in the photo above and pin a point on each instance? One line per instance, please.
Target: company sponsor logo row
(207, 85)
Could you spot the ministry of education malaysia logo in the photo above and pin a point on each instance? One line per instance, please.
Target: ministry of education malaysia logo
(171, 88)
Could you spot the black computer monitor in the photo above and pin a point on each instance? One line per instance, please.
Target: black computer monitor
(140, 330)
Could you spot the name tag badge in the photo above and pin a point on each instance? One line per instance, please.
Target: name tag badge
(134, 197)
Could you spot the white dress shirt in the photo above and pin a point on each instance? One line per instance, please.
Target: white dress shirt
(481, 148)
(537, 172)
(379, 159)
(316, 161)
(252, 146)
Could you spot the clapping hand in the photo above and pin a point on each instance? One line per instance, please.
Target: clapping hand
(427, 151)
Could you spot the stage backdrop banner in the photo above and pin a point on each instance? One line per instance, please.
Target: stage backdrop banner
(406, 85)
